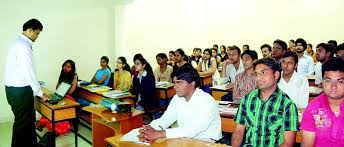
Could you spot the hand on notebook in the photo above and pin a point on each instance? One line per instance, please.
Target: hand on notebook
(45, 97)
(149, 134)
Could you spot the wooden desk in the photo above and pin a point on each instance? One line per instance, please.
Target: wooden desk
(206, 80)
(176, 142)
(58, 112)
(217, 93)
(165, 92)
(228, 124)
(311, 80)
(106, 124)
(96, 97)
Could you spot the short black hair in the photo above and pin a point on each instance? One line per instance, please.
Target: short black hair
(188, 74)
(282, 44)
(334, 42)
(292, 40)
(327, 48)
(264, 46)
(273, 64)
(339, 48)
(302, 41)
(247, 46)
(291, 54)
(251, 53)
(215, 45)
(234, 47)
(334, 64)
(33, 24)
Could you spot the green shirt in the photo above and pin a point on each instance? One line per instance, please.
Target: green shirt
(267, 121)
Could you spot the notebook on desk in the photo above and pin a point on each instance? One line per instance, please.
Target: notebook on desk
(59, 94)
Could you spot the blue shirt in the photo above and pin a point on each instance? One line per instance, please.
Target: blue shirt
(100, 73)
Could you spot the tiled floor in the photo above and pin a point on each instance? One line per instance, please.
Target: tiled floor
(61, 141)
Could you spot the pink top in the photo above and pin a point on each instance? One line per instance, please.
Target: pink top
(319, 118)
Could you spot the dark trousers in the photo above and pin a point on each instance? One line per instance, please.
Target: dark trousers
(21, 100)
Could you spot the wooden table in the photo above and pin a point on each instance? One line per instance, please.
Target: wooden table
(176, 142)
(311, 80)
(206, 80)
(96, 97)
(217, 92)
(106, 124)
(228, 123)
(63, 110)
(165, 92)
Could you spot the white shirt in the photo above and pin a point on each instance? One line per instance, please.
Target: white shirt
(318, 73)
(231, 72)
(20, 68)
(198, 118)
(305, 65)
(297, 89)
(206, 67)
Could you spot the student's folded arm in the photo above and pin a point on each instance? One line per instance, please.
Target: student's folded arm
(238, 135)
(203, 122)
(169, 116)
(101, 81)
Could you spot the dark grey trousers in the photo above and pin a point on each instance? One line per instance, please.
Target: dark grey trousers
(21, 100)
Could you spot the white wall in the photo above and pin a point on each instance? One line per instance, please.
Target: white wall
(153, 26)
(81, 30)
(85, 30)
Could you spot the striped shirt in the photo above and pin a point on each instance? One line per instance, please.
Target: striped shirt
(267, 121)
(243, 85)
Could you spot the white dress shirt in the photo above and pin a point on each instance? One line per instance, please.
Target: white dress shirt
(197, 118)
(305, 65)
(296, 88)
(318, 73)
(231, 72)
(20, 67)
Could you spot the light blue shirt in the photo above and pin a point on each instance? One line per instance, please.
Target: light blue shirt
(100, 73)
(305, 65)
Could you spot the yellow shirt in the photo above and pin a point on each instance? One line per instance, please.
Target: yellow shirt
(122, 81)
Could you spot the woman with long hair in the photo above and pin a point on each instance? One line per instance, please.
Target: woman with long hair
(164, 71)
(122, 77)
(144, 86)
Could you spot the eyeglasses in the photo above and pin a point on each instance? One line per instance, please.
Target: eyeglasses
(119, 62)
(137, 63)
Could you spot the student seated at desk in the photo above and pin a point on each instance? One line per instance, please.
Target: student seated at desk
(133, 69)
(245, 81)
(164, 71)
(179, 61)
(102, 75)
(208, 65)
(122, 77)
(233, 65)
(195, 111)
(67, 75)
(266, 115)
(294, 84)
(171, 56)
(322, 121)
(144, 86)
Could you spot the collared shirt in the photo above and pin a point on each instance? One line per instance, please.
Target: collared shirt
(100, 73)
(319, 118)
(20, 68)
(297, 88)
(197, 118)
(318, 73)
(231, 72)
(267, 121)
(305, 65)
(243, 85)
(165, 75)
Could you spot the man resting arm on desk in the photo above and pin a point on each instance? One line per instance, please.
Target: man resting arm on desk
(194, 110)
